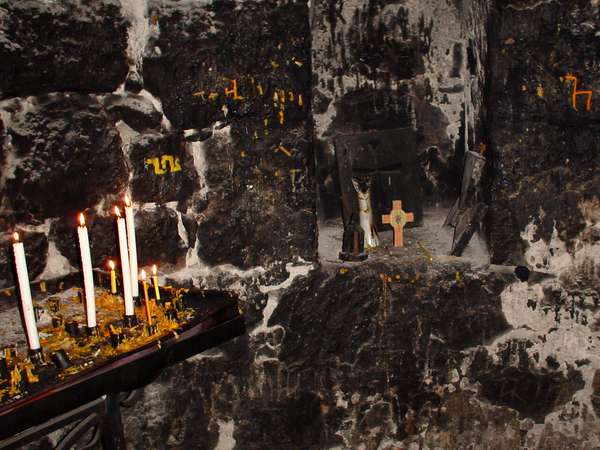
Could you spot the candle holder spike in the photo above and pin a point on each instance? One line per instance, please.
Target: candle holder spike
(57, 321)
(72, 327)
(171, 314)
(92, 331)
(130, 321)
(4, 373)
(61, 359)
(36, 356)
(116, 338)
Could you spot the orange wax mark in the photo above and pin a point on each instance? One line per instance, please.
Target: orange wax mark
(233, 92)
(284, 150)
(575, 93)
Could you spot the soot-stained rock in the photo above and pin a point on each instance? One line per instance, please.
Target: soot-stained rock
(406, 281)
(544, 149)
(247, 231)
(102, 236)
(271, 53)
(372, 49)
(158, 236)
(533, 392)
(36, 252)
(67, 155)
(346, 358)
(61, 46)
(295, 421)
(260, 202)
(183, 421)
(369, 109)
(256, 195)
(163, 169)
(135, 110)
(134, 82)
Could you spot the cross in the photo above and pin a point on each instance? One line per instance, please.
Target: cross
(398, 219)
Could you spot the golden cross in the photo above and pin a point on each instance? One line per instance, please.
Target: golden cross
(398, 219)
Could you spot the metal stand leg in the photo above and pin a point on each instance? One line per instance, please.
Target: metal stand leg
(100, 419)
(113, 436)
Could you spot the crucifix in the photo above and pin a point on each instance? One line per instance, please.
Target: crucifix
(397, 218)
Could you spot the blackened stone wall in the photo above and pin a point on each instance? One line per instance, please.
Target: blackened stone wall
(545, 150)
(398, 352)
(64, 46)
(105, 98)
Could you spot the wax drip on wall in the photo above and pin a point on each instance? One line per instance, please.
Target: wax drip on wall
(140, 30)
(198, 151)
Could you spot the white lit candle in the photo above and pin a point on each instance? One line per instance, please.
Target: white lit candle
(27, 305)
(155, 281)
(126, 273)
(132, 247)
(88, 275)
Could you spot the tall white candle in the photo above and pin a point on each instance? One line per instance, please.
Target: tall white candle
(126, 272)
(132, 247)
(88, 275)
(27, 305)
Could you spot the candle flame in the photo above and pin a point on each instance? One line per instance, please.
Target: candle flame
(82, 220)
(111, 264)
(127, 201)
(143, 275)
(154, 269)
(117, 211)
(16, 236)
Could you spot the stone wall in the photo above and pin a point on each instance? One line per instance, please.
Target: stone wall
(399, 352)
(105, 98)
(545, 149)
